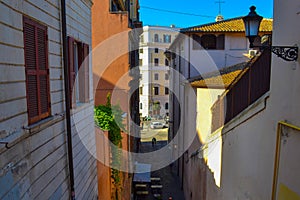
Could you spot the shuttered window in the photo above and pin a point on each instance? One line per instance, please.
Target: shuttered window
(36, 69)
(78, 71)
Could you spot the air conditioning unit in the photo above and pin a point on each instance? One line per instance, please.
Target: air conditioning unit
(252, 53)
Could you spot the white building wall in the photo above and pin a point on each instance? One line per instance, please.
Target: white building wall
(148, 68)
(36, 165)
(249, 140)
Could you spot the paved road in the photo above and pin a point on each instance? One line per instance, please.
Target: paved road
(148, 133)
(168, 178)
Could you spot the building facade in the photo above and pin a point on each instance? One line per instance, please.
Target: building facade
(195, 55)
(154, 69)
(258, 138)
(47, 127)
(115, 32)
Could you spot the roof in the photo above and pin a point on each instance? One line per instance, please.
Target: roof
(229, 25)
(221, 78)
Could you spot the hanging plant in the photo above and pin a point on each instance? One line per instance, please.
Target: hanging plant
(109, 118)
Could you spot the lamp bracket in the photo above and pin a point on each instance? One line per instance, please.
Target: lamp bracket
(285, 52)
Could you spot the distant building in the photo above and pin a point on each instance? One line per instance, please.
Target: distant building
(154, 69)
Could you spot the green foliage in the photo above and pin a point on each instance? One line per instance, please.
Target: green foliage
(109, 118)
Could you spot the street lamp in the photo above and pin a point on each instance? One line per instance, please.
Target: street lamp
(252, 23)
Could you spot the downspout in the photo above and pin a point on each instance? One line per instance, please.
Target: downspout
(67, 97)
(277, 154)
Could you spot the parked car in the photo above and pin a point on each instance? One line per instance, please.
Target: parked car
(154, 125)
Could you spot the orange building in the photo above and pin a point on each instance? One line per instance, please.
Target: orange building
(115, 54)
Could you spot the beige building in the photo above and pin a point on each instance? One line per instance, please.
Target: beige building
(154, 70)
(46, 150)
(248, 134)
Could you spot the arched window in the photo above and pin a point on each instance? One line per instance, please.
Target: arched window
(208, 41)
(156, 38)
(166, 106)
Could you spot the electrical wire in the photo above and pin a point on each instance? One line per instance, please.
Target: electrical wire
(176, 12)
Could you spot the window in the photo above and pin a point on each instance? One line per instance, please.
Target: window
(196, 42)
(166, 106)
(209, 41)
(221, 42)
(156, 50)
(142, 39)
(156, 38)
(78, 71)
(141, 90)
(156, 76)
(166, 76)
(37, 70)
(116, 6)
(156, 90)
(140, 62)
(166, 90)
(141, 50)
(167, 38)
(156, 61)
(141, 106)
(166, 62)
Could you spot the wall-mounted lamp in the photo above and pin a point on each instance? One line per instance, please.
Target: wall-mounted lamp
(252, 23)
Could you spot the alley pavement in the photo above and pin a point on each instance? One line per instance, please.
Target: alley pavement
(168, 178)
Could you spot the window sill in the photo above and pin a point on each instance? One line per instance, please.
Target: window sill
(119, 12)
(9, 141)
(80, 106)
(45, 123)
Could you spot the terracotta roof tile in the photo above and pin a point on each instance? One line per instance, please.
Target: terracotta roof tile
(221, 78)
(230, 25)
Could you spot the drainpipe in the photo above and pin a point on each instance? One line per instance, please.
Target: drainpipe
(67, 96)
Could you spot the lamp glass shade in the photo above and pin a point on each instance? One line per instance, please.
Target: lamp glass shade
(252, 23)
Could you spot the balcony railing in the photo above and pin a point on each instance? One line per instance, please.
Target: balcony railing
(254, 83)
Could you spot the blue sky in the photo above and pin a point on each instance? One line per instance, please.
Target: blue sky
(208, 9)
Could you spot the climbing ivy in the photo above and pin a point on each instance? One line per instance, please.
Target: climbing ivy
(109, 117)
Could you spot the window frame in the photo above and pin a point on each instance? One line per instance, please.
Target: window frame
(196, 42)
(166, 76)
(156, 38)
(82, 81)
(166, 106)
(155, 90)
(166, 90)
(43, 107)
(156, 62)
(209, 41)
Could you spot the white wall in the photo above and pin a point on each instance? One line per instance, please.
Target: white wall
(248, 151)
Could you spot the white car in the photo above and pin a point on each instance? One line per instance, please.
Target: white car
(156, 125)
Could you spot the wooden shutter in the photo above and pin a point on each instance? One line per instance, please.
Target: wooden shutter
(71, 68)
(36, 68)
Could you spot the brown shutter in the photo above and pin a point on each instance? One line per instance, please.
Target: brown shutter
(43, 72)
(71, 67)
(36, 68)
